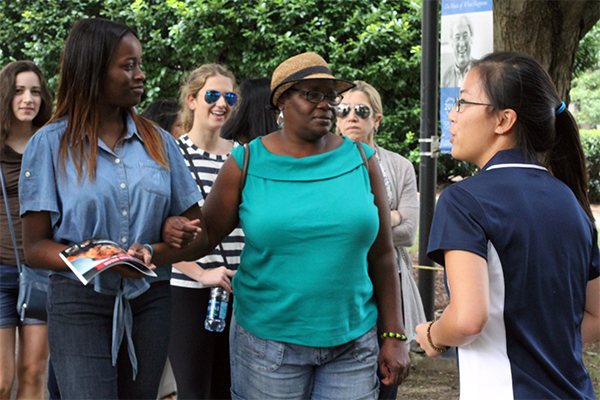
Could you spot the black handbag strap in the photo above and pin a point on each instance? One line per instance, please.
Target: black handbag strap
(10, 225)
(204, 195)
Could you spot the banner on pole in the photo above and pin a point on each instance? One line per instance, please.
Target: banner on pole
(467, 34)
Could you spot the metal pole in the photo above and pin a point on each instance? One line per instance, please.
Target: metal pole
(429, 137)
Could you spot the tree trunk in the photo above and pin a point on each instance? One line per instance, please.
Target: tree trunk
(550, 31)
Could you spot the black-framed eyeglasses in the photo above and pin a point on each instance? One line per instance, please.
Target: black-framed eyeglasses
(212, 96)
(316, 97)
(363, 111)
(459, 102)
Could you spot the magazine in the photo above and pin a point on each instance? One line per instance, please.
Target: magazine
(91, 257)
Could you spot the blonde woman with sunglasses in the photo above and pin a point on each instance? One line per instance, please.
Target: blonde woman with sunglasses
(200, 358)
(358, 117)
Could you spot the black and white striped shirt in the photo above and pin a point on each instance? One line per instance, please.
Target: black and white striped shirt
(208, 166)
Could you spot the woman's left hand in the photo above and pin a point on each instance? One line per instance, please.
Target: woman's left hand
(394, 361)
(142, 253)
(396, 218)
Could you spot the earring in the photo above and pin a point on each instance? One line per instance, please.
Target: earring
(280, 118)
(375, 131)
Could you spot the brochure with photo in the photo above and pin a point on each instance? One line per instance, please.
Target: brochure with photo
(91, 257)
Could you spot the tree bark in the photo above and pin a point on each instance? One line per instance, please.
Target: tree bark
(549, 31)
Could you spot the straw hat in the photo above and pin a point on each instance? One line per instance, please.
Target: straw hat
(299, 68)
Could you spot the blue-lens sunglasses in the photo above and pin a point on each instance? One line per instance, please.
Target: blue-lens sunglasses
(211, 97)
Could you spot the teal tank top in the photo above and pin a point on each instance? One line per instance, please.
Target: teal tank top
(309, 224)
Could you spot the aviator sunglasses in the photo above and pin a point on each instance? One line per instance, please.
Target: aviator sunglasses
(211, 97)
(361, 110)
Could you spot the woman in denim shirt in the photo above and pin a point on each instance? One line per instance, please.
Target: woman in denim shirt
(100, 171)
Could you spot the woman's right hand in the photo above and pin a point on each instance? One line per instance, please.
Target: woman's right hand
(179, 231)
(217, 277)
(220, 276)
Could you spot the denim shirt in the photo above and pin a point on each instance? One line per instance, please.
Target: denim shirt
(127, 202)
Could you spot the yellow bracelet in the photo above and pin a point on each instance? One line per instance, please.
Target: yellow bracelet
(438, 349)
(394, 335)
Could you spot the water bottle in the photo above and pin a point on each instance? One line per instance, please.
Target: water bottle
(217, 309)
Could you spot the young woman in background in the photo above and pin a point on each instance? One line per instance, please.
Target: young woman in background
(25, 106)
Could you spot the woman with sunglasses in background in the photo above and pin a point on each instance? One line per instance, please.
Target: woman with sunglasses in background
(200, 358)
(358, 117)
(517, 240)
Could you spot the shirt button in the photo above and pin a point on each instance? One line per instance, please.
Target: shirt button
(124, 239)
(122, 186)
(117, 160)
(124, 212)
(27, 174)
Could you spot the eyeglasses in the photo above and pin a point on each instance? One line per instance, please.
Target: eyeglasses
(460, 102)
(316, 97)
(212, 96)
(361, 110)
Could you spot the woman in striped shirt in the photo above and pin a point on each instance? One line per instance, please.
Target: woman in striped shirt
(200, 358)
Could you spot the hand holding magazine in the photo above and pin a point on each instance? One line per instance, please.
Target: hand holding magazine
(91, 257)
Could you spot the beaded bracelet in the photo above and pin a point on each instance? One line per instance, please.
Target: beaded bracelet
(438, 349)
(151, 249)
(394, 335)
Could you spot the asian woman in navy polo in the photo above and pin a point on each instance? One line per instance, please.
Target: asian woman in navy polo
(518, 240)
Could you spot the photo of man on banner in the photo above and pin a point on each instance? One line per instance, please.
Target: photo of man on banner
(466, 35)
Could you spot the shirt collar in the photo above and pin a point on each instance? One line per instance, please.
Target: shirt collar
(511, 156)
(132, 129)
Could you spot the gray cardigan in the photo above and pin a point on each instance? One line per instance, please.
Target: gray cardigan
(403, 183)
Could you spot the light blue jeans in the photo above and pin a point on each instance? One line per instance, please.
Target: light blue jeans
(266, 369)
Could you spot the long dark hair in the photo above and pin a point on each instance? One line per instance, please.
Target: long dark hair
(8, 77)
(163, 112)
(85, 57)
(253, 116)
(517, 81)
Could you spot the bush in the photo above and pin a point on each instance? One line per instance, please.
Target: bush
(591, 147)
(449, 168)
(376, 41)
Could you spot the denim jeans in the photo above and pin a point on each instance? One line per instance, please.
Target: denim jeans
(80, 332)
(266, 369)
(9, 294)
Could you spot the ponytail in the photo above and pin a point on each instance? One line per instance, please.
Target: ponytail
(545, 130)
(566, 159)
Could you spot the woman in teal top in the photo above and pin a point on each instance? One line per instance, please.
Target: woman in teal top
(318, 260)
(303, 215)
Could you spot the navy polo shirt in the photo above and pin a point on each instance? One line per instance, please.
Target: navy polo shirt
(541, 250)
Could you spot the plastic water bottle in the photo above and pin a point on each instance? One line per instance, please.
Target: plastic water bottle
(217, 309)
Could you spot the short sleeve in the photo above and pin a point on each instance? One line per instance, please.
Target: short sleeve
(38, 180)
(458, 224)
(184, 192)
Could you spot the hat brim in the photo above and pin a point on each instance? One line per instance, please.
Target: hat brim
(341, 85)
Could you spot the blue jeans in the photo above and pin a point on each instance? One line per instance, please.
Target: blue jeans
(266, 369)
(80, 332)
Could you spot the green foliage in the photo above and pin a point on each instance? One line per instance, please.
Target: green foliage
(376, 41)
(590, 139)
(585, 95)
(449, 168)
(588, 53)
